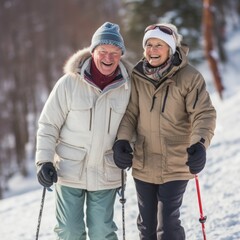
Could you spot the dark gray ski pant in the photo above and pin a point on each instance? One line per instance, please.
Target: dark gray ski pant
(159, 210)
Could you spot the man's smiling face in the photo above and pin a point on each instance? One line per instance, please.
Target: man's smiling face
(106, 58)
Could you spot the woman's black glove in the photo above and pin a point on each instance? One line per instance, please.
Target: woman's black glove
(196, 157)
(46, 174)
(122, 154)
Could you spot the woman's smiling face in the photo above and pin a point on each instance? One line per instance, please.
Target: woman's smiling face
(106, 58)
(156, 52)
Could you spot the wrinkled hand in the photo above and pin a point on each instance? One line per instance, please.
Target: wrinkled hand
(122, 154)
(46, 174)
(196, 158)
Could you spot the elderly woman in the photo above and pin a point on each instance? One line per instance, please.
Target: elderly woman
(171, 113)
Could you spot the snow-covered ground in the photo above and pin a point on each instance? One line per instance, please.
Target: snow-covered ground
(219, 181)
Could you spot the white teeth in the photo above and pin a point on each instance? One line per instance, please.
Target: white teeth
(107, 64)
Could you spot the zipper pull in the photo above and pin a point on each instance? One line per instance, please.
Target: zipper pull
(153, 100)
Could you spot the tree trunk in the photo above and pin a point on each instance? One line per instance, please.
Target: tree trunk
(208, 36)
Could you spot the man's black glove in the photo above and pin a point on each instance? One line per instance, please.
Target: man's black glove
(122, 154)
(196, 157)
(46, 174)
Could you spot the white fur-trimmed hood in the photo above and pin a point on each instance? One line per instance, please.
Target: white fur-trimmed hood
(75, 62)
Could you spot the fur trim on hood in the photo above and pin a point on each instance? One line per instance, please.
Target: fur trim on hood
(75, 62)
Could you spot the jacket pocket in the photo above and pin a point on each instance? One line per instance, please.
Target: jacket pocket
(116, 111)
(111, 171)
(138, 159)
(80, 117)
(176, 153)
(70, 161)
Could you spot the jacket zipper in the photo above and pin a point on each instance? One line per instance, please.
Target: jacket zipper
(195, 103)
(165, 99)
(153, 100)
(154, 97)
(90, 122)
(109, 120)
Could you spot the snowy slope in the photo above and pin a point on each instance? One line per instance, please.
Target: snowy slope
(219, 181)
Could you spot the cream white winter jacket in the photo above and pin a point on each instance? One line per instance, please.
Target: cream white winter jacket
(78, 127)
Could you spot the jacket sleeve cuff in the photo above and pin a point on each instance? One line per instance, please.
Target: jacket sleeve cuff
(204, 140)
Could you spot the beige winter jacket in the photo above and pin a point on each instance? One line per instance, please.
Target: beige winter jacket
(166, 121)
(79, 123)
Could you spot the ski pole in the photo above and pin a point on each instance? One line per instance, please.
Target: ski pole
(41, 210)
(202, 218)
(122, 201)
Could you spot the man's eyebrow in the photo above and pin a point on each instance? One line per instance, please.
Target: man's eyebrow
(104, 49)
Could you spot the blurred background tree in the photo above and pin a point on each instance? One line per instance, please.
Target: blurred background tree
(185, 14)
(37, 37)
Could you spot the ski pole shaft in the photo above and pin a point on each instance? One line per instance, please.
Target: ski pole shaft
(202, 218)
(122, 201)
(40, 212)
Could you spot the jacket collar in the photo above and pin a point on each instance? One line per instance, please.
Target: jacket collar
(180, 60)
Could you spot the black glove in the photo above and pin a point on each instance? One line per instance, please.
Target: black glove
(196, 157)
(122, 154)
(46, 174)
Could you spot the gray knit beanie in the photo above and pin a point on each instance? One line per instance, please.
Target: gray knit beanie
(108, 33)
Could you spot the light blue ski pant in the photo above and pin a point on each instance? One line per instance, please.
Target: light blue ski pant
(99, 214)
